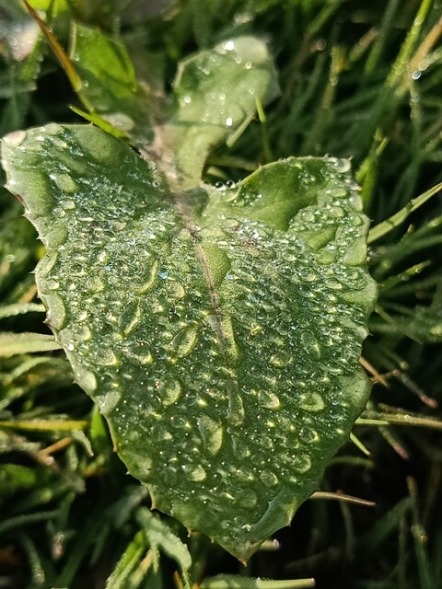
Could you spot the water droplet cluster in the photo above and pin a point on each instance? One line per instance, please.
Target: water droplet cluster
(219, 89)
(224, 395)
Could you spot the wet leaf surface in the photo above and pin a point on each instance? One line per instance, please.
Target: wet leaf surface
(216, 95)
(218, 329)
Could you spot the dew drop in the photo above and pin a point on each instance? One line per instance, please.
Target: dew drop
(341, 166)
(84, 333)
(247, 499)
(52, 284)
(175, 291)
(337, 212)
(102, 257)
(308, 435)
(310, 343)
(130, 318)
(169, 391)
(307, 215)
(195, 473)
(160, 433)
(184, 342)
(151, 277)
(236, 411)
(211, 433)
(309, 276)
(302, 463)
(280, 359)
(355, 279)
(94, 284)
(229, 45)
(56, 317)
(64, 182)
(268, 478)
(53, 129)
(59, 213)
(109, 401)
(77, 269)
(106, 357)
(240, 450)
(68, 205)
(121, 121)
(269, 400)
(338, 192)
(139, 353)
(333, 284)
(223, 328)
(255, 329)
(311, 402)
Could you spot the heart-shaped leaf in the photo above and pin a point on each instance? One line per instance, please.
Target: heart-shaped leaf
(219, 331)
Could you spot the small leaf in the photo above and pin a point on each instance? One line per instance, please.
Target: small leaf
(218, 331)
(217, 91)
(128, 562)
(160, 538)
(109, 83)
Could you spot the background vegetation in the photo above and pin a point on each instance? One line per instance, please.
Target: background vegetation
(359, 80)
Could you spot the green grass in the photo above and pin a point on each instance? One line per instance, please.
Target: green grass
(359, 80)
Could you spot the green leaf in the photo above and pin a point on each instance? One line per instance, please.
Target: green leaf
(161, 538)
(109, 84)
(216, 93)
(158, 536)
(218, 331)
(26, 343)
(128, 562)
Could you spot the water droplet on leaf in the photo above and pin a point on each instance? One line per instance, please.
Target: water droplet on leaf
(212, 434)
(195, 472)
(170, 391)
(311, 402)
(184, 342)
(269, 400)
(268, 478)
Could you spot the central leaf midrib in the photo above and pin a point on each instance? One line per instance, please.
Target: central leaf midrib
(183, 209)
